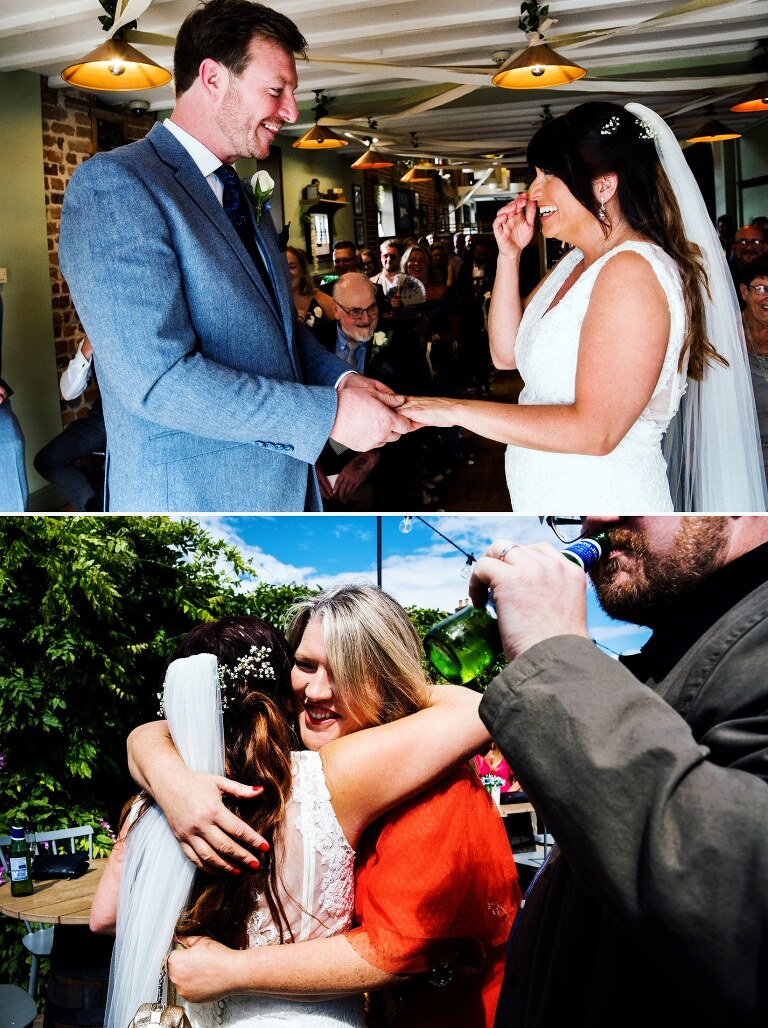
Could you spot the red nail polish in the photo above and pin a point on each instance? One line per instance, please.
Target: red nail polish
(264, 846)
(258, 788)
(254, 864)
(236, 870)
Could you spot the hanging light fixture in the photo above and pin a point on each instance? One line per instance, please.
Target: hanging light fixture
(320, 137)
(713, 132)
(538, 65)
(416, 172)
(755, 100)
(371, 160)
(115, 65)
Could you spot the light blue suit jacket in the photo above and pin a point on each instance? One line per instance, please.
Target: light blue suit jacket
(214, 399)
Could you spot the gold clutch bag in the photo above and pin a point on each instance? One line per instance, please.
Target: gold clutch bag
(159, 1014)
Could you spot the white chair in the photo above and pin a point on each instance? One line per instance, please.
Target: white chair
(38, 941)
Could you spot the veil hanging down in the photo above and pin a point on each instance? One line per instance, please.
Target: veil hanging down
(712, 446)
(156, 876)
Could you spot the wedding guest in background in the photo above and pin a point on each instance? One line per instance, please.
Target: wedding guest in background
(397, 289)
(747, 247)
(726, 229)
(394, 356)
(57, 460)
(307, 298)
(369, 262)
(442, 270)
(14, 492)
(754, 295)
(214, 397)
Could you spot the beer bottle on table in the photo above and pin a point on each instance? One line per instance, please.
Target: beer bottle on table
(21, 863)
(462, 645)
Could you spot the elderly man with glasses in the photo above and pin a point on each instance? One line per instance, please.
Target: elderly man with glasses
(396, 358)
(747, 247)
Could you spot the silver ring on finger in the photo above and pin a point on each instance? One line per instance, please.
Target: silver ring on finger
(506, 550)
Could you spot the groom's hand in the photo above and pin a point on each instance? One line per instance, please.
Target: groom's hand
(366, 416)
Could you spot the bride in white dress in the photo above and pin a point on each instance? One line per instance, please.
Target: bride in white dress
(637, 394)
(231, 714)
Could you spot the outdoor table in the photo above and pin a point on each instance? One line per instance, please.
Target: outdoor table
(55, 900)
(79, 970)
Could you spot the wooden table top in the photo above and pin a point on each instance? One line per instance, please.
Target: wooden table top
(55, 900)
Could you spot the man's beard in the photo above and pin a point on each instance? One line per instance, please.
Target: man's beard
(640, 590)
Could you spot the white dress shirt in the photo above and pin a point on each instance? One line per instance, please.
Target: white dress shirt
(75, 376)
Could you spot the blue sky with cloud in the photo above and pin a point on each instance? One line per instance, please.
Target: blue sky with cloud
(418, 569)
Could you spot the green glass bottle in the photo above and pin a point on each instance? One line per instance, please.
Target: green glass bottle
(462, 645)
(21, 863)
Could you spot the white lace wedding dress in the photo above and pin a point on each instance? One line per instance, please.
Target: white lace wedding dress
(316, 866)
(633, 477)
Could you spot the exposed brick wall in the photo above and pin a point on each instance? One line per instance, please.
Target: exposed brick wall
(68, 121)
(433, 201)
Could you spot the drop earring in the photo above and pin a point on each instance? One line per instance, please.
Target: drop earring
(601, 213)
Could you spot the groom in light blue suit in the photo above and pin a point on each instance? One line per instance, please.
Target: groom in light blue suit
(215, 399)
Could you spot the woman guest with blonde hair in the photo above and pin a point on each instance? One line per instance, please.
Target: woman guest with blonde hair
(633, 339)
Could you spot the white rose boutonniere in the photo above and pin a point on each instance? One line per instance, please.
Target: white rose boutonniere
(379, 341)
(261, 187)
(312, 316)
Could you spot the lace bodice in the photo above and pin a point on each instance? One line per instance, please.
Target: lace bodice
(316, 882)
(547, 348)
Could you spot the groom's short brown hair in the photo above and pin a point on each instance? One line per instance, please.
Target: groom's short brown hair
(223, 30)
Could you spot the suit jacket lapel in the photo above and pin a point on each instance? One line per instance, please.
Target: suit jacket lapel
(188, 176)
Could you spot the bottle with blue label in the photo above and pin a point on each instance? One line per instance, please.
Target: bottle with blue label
(462, 645)
(20, 860)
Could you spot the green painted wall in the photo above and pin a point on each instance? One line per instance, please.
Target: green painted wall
(29, 362)
(754, 163)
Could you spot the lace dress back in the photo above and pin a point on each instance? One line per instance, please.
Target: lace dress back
(632, 478)
(316, 882)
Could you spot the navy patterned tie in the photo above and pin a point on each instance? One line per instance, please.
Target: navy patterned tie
(236, 209)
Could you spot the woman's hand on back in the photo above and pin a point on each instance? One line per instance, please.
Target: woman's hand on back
(210, 835)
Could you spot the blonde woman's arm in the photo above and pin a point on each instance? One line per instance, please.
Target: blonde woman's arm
(370, 771)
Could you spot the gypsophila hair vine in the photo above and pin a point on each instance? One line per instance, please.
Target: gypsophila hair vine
(647, 131)
(610, 126)
(255, 664)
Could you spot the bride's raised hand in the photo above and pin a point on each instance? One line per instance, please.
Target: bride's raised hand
(514, 225)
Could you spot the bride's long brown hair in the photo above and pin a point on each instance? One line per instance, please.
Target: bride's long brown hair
(259, 735)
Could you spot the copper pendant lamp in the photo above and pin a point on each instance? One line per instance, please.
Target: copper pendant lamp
(320, 137)
(713, 132)
(753, 101)
(371, 160)
(116, 65)
(538, 66)
(416, 174)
